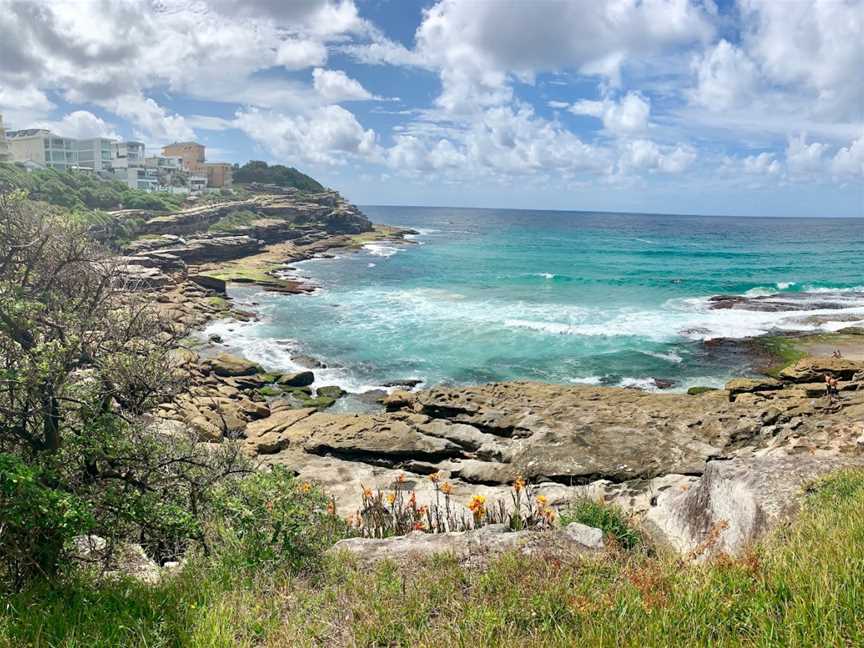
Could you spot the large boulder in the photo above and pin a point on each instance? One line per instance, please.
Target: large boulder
(736, 502)
(476, 545)
(300, 379)
(229, 365)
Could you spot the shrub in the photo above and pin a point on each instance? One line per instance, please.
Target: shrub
(606, 517)
(36, 521)
(277, 174)
(271, 518)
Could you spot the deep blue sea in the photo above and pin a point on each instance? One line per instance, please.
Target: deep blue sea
(574, 297)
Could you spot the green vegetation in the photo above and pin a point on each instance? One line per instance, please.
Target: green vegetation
(277, 174)
(768, 597)
(695, 391)
(783, 352)
(82, 190)
(233, 220)
(606, 517)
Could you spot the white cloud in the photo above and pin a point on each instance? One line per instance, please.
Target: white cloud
(150, 120)
(803, 158)
(762, 164)
(330, 136)
(645, 155)
(335, 86)
(849, 161)
(479, 46)
(811, 45)
(80, 124)
(297, 54)
(630, 115)
(726, 77)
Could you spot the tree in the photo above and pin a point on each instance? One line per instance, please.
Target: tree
(83, 356)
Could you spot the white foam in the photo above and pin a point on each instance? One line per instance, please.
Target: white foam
(783, 285)
(545, 275)
(645, 384)
(669, 357)
(277, 355)
(371, 265)
(381, 250)
(586, 380)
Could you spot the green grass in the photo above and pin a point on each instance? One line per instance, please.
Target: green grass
(803, 586)
(233, 220)
(605, 517)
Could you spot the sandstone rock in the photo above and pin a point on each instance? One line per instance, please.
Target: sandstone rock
(745, 385)
(226, 364)
(398, 400)
(301, 379)
(473, 546)
(205, 429)
(125, 559)
(208, 282)
(735, 502)
(814, 369)
(330, 391)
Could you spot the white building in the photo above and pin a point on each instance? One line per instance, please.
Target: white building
(44, 147)
(5, 154)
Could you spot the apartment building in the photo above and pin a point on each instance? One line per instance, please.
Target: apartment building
(193, 156)
(5, 154)
(45, 148)
(190, 153)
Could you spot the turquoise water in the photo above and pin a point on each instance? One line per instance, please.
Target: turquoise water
(488, 295)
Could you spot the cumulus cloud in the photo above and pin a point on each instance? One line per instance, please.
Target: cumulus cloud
(849, 160)
(812, 44)
(804, 158)
(726, 77)
(298, 54)
(329, 136)
(762, 164)
(645, 155)
(151, 121)
(80, 124)
(335, 86)
(630, 115)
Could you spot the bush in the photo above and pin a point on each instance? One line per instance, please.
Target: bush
(270, 518)
(606, 517)
(36, 521)
(277, 174)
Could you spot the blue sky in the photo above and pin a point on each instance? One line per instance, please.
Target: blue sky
(754, 107)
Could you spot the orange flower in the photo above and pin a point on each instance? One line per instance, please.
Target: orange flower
(542, 501)
(446, 488)
(477, 505)
(549, 514)
(419, 526)
(434, 477)
(412, 501)
(367, 493)
(391, 497)
(401, 478)
(331, 507)
(519, 484)
(422, 510)
(305, 487)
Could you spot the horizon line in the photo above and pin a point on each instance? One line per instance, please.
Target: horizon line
(605, 211)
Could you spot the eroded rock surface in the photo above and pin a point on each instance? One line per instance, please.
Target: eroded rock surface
(474, 546)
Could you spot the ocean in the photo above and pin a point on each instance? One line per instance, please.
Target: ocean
(486, 295)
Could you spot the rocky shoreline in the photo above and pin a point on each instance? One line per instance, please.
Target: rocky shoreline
(684, 464)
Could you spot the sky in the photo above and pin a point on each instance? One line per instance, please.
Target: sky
(747, 107)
